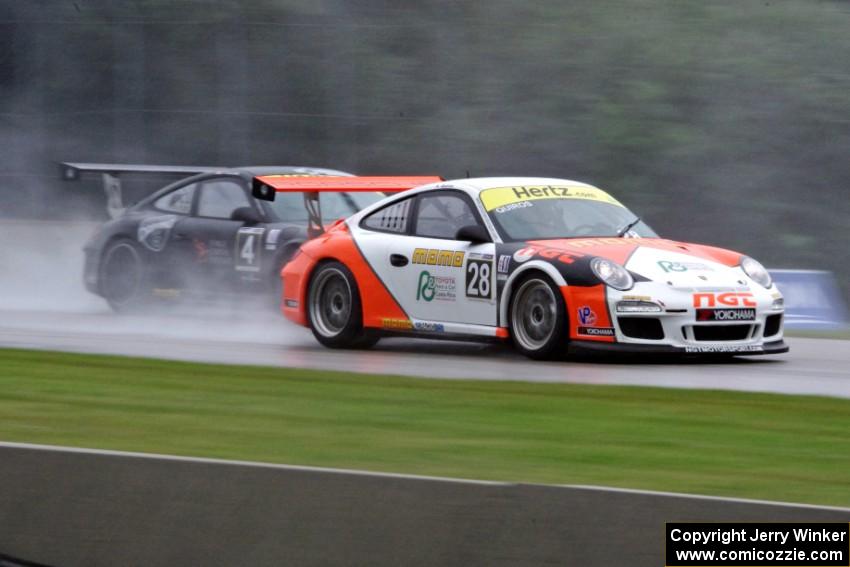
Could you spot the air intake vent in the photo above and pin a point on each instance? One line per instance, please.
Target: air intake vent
(641, 327)
(721, 332)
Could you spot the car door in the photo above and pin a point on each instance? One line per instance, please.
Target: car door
(222, 252)
(434, 276)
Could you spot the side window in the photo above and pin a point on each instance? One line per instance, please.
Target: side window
(440, 215)
(390, 219)
(220, 197)
(178, 201)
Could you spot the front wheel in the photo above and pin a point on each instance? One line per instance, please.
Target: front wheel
(334, 310)
(538, 318)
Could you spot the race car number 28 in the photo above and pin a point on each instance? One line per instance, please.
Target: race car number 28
(248, 249)
(478, 279)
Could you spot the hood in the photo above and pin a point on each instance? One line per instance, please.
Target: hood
(680, 264)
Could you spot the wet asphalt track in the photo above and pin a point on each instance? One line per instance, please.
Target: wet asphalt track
(814, 366)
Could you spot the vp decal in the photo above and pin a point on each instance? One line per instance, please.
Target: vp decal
(586, 316)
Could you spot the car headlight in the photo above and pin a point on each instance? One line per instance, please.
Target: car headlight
(756, 271)
(612, 274)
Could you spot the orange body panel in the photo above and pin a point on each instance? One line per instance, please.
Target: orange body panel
(593, 297)
(337, 244)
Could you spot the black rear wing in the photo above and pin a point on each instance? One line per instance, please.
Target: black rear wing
(72, 171)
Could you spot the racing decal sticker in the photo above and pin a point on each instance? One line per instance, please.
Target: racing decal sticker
(435, 257)
(728, 299)
(726, 314)
(154, 231)
(724, 348)
(500, 198)
(479, 284)
(529, 252)
(586, 316)
(397, 324)
(248, 249)
(272, 238)
(504, 264)
(669, 266)
(431, 287)
(596, 331)
(429, 327)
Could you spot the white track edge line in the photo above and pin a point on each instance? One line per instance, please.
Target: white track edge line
(258, 464)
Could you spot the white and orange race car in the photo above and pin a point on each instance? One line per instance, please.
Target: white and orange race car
(556, 266)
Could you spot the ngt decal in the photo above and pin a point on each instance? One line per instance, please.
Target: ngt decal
(586, 316)
(431, 287)
(434, 257)
(502, 197)
(728, 299)
(529, 252)
(669, 266)
(596, 331)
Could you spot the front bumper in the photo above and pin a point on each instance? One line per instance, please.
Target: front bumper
(680, 326)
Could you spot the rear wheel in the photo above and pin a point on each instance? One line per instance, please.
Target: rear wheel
(538, 318)
(123, 276)
(334, 310)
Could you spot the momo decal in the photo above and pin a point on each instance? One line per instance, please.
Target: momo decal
(669, 266)
(397, 324)
(435, 257)
(728, 299)
(431, 287)
(586, 316)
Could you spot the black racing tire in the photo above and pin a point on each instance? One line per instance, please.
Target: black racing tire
(538, 318)
(124, 276)
(334, 309)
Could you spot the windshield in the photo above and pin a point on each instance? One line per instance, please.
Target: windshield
(558, 211)
(289, 207)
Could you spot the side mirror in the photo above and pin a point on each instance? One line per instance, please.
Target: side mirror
(473, 233)
(247, 215)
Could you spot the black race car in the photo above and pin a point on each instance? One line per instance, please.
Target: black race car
(203, 235)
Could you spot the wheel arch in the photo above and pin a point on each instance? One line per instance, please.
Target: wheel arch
(521, 272)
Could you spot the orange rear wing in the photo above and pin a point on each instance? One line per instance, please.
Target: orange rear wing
(266, 187)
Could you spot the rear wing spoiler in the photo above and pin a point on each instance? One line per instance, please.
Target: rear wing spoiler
(72, 171)
(267, 186)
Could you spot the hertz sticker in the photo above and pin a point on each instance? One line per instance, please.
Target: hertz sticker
(502, 196)
(434, 257)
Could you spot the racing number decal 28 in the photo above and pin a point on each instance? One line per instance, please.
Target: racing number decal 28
(248, 249)
(478, 284)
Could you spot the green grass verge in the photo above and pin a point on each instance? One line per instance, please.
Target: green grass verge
(794, 448)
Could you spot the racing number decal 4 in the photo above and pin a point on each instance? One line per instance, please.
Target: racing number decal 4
(248, 249)
(479, 284)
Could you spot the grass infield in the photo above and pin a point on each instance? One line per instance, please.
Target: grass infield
(775, 447)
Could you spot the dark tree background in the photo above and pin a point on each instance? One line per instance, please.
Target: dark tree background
(719, 122)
